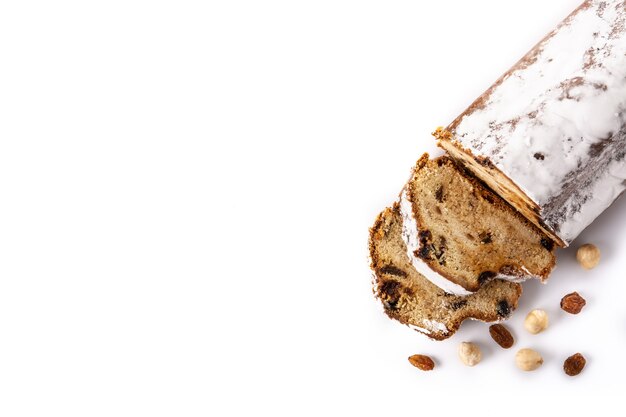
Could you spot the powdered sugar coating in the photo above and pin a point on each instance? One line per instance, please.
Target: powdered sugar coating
(556, 124)
(434, 325)
(419, 329)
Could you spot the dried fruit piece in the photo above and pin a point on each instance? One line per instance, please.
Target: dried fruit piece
(573, 303)
(503, 309)
(501, 335)
(469, 353)
(423, 362)
(528, 359)
(547, 243)
(574, 364)
(486, 276)
(588, 256)
(536, 321)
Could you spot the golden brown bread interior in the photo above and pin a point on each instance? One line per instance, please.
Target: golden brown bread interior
(413, 300)
(470, 235)
(497, 181)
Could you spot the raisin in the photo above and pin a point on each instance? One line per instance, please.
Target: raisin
(573, 303)
(390, 289)
(458, 304)
(547, 243)
(423, 252)
(485, 276)
(501, 335)
(439, 194)
(440, 251)
(392, 270)
(485, 237)
(504, 309)
(574, 364)
(390, 294)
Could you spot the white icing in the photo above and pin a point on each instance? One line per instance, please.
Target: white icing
(532, 113)
(432, 326)
(435, 326)
(514, 278)
(518, 278)
(419, 329)
(411, 240)
(606, 190)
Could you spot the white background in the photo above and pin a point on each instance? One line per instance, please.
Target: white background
(185, 194)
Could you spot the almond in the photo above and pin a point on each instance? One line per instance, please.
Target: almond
(573, 303)
(501, 335)
(423, 362)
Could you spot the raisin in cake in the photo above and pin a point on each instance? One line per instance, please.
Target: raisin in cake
(410, 298)
(461, 235)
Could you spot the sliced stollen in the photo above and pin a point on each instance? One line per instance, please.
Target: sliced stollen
(465, 233)
(410, 298)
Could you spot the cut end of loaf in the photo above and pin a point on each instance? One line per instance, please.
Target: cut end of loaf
(495, 179)
(467, 233)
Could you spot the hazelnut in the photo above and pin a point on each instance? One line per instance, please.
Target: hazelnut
(588, 256)
(528, 359)
(469, 353)
(536, 321)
